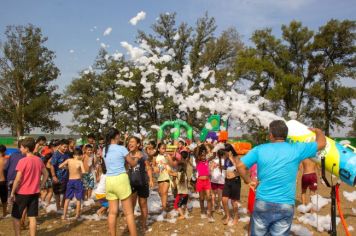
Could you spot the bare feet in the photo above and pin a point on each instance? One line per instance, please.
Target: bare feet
(226, 221)
(181, 218)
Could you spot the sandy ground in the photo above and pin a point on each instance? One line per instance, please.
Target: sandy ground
(50, 224)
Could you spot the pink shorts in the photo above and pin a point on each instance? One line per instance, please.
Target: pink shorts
(215, 186)
(203, 184)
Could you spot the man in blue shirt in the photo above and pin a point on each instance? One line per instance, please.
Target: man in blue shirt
(59, 176)
(277, 167)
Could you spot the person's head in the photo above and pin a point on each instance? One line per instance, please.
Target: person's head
(209, 147)
(71, 142)
(151, 148)
(2, 150)
(41, 140)
(161, 148)
(111, 137)
(63, 145)
(91, 138)
(230, 148)
(101, 140)
(78, 154)
(221, 154)
(181, 144)
(201, 151)
(184, 154)
(134, 144)
(27, 145)
(88, 149)
(278, 130)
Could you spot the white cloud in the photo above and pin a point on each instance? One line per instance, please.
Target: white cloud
(107, 31)
(71, 51)
(140, 16)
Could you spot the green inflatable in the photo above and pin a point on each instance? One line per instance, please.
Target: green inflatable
(216, 122)
(177, 124)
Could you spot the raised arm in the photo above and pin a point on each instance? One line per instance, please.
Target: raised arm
(320, 138)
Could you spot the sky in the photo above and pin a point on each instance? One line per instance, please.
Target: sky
(75, 29)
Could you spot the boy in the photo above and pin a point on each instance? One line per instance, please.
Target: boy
(75, 184)
(3, 186)
(59, 176)
(309, 178)
(88, 177)
(26, 187)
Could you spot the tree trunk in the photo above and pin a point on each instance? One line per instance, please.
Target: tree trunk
(326, 108)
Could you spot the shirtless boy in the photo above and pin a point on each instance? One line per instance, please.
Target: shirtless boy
(309, 178)
(75, 185)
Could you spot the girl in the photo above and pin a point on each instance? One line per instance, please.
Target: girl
(217, 180)
(161, 166)
(140, 177)
(117, 182)
(203, 185)
(232, 185)
(181, 200)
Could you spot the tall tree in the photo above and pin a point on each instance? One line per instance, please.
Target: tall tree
(28, 98)
(334, 58)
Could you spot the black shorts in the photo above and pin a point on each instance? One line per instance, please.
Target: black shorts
(59, 188)
(3, 191)
(142, 191)
(232, 188)
(25, 201)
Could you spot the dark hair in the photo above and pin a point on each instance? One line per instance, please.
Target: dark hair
(230, 148)
(77, 152)
(182, 168)
(278, 129)
(220, 153)
(64, 142)
(184, 154)
(199, 151)
(2, 148)
(41, 138)
(111, 134)
(182, 142)
(29, 143)
(101, 137)
(88, 146)
(71, 140)
(159, 146)
(152, 143)
(91, 135)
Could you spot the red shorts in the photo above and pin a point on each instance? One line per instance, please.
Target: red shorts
(203, 184)
(310, 181)
(215, 186)
(181, 200)
(251, 200)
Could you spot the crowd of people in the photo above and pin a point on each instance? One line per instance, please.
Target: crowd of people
(122, 169)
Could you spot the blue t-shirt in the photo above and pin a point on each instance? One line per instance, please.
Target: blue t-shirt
(57, 159)
(10, 166)
(277, 167)
(115, 160)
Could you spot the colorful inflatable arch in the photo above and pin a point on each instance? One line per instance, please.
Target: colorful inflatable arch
(177, 124)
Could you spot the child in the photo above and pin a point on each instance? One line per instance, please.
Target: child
(75, 184)
(26, 187)
(3, 186)
(88, 177)
(203, 185)
(100, 194)
(309, 178)
(161, 166)
(217, 180)
(181, 200)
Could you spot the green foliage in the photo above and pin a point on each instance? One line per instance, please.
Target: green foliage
(27, 98)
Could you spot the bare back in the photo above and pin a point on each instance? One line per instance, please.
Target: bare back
(76, 169)
(2, 165)
(309, 166)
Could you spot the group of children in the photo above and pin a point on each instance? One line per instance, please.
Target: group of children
(73, 171)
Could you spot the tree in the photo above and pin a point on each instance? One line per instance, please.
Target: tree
(28, 99)
(334, 53)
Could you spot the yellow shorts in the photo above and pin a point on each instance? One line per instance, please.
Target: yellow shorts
(118, 187)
